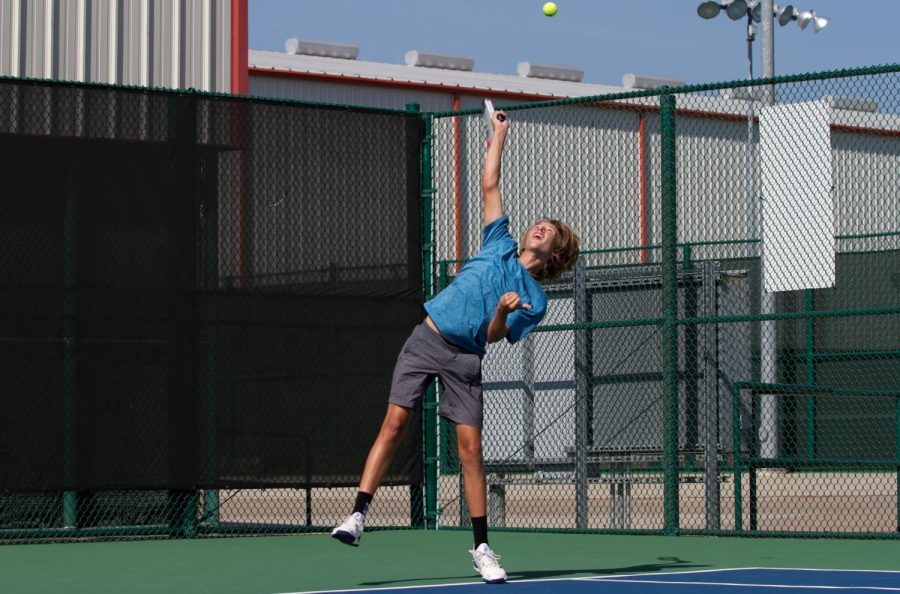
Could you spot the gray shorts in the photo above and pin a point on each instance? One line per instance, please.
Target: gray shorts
(427, 355)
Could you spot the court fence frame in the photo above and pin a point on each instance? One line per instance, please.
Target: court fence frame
(732, 368)
(672, 465)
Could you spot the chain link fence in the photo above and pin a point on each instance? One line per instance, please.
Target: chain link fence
(189, 346)
(187, 330)
(726, 357)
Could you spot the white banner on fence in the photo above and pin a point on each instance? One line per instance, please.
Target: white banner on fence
(798, 209)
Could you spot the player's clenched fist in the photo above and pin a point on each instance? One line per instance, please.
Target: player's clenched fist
(510, 302)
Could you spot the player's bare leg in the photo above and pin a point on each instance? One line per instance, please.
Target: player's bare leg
(472, 461)
(379, 460)
(486, 562)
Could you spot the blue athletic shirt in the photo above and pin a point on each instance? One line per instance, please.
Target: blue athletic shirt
(463, 311)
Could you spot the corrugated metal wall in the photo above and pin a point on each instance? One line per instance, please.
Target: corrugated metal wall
(156, 43)
(344, 93)
(323, 91)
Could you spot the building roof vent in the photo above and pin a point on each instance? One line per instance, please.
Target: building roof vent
(321, 48)
(743, 93)
(532, 70)
(639, 81)
(851, 103)
(445, 61)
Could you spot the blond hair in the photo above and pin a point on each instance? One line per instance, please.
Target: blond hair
(565, 251)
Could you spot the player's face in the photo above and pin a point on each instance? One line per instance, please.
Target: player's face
(542, 237)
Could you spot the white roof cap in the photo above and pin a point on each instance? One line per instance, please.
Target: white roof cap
(432, 60)
(326, 49)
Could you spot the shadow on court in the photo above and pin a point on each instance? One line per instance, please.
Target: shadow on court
(668, 564)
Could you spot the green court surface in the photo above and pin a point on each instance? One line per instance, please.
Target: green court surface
(390, 559)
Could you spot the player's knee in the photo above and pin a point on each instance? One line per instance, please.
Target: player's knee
(392, 429)
(470, 452)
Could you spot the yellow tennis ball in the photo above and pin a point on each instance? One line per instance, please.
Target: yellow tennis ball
(550, 9)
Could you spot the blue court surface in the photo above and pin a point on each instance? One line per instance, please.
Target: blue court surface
(747, 580)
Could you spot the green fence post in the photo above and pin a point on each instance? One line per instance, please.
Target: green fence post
(756, 414)
(810, 376)
(182, 256)
(70, 502)
(691, 357)
(429, 406)
(449, 461)
(897, 453)
(736, 447)
(670, 312)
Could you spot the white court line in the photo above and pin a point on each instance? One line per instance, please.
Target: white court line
(737, 585)
(658, 573)
(831, 569)
(392, 588)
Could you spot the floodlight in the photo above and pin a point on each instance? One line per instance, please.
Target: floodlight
(709, 9)
(784, 14)
(736, 9)
(804, 18)
(819, 23)
(755, 9)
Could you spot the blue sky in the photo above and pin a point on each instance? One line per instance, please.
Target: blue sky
(605, 38)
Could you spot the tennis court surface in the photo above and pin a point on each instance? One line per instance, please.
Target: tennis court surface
(411, 561)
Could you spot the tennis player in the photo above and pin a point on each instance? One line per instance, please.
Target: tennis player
(496, 295)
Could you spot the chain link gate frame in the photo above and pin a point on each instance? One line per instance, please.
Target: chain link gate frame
(699, 208)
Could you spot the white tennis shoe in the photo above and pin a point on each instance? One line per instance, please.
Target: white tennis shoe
(350, 530)
(487, 563)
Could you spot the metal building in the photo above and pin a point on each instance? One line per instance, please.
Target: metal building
(201, 44)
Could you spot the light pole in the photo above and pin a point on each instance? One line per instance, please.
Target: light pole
(764, 12)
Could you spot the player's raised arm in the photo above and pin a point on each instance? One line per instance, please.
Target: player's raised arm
(490, 175)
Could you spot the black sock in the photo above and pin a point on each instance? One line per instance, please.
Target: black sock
(479, 529)
(363, 500)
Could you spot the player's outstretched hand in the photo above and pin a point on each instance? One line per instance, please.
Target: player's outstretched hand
(500, 121)
(511, 301)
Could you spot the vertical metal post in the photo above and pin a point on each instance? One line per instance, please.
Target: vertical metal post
(183, 206)
(429, 408)
(528, 398)
(897, 453)
(736, 455)
(582, 387)
(756, 445)
(691, 301)
(209, 258)
(670, 312)
(768, 329)
(810, 375)
(711, 404)
(767, 42)
(70, 361)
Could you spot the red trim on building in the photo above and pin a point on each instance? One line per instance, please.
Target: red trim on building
(642, 183)
(240, 47)
(457, 184)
